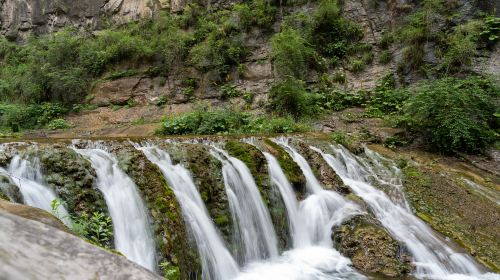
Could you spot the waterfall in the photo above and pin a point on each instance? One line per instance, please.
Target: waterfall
(279, 179)
(27, 175)
(252, 221)
(434, 259)
(217, 262)
(322, 209)
(132, 233)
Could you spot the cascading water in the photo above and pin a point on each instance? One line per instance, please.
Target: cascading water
(434, 259)
(252, 221)
(132, 233)
(26, 174)
(217, 262)
(483, 191)
(322, 209)
(279, 179)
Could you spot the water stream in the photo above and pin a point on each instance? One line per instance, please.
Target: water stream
(132, 233)
(26, 174)
(433, 257)
(217, 262)
(253, 228)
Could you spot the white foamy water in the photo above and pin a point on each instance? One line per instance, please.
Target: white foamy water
(132, 234)
(217, 262)
(26, 174)
(322, 209)
(433, 257)
(253, 228)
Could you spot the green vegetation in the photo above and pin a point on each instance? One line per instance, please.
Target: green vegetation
(96, 228)
(455, 115)
(16, 116)
(224, 121)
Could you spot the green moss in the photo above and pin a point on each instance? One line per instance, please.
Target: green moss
(4, 196)
(289, 167)
(73, 180)
(439, 200)
(207, 173)
(371, 248)
(256, 162)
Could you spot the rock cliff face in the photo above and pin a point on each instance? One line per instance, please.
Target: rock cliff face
(20, 18)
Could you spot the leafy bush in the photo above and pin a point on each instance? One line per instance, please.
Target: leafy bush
(18, 116)
(223, 121)
(385, 57)
(290, 98)
(455, 115)
(386, 99)
(57, 124)
(291, 54)
(333, 35)
(97, 228)
(462, 47)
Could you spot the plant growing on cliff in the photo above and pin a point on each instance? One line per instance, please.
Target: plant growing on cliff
(289, 97)
(291, 54)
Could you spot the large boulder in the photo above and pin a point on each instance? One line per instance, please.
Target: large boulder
(32, 213)
(32, 250)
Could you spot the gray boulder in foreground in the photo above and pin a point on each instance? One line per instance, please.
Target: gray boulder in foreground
(32, 250)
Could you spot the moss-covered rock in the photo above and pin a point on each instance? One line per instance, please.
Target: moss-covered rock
(256, 162)
(325, 174)
(371, 248)
(9, 191)
(72, 178)
(289, 167)
(207, 173)
(167, 221)
(438, 198)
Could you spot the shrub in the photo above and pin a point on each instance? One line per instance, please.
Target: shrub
(333, 35)
(58, 124)
(462, 47)
(19, 116)
(223, 121)
(385, 57)
(455, 115)
(97, 228)
(291, 54)
(356, 65)
(386, 98)
(290, 98)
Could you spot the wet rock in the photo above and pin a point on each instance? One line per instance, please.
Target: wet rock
(8, 190)
(207, 172)
(172, 239)
(72, 178)
(371, 248)
(33, 250)
(325, 174)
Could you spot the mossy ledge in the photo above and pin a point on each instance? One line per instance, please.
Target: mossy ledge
(256, 162)
(472, 221)
(168, 225)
